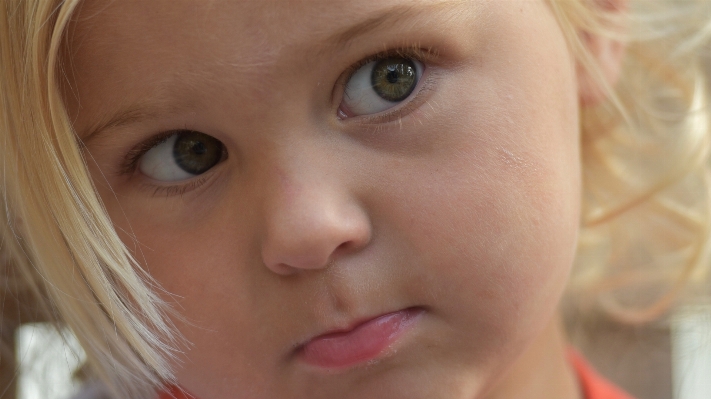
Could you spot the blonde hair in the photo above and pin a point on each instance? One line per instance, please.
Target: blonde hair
(646, 210)
(55, 232)
(645, 229)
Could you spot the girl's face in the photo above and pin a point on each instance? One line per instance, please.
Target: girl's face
(403, 173)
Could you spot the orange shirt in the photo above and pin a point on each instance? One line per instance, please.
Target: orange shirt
(593, 385)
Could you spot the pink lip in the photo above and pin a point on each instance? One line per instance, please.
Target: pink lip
(360, 343)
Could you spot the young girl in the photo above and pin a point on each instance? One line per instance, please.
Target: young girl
(349, 199)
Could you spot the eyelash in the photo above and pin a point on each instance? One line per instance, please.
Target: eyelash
(179, 189)
(424, 55)
(130, 161)
(427, 83)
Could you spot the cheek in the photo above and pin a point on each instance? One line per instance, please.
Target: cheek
(493, 248)
(498, 213)
(188, 248)
(208, 273)
(497, 236)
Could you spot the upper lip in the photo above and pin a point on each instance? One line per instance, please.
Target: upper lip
(348, 327)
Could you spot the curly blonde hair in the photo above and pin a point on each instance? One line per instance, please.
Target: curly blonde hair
(646, 219)
(646, 205)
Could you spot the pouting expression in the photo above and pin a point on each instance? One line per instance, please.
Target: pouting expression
(349, 199)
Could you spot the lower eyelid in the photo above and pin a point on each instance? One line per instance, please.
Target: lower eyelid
(170, 191)
(175, 189)
(180, 188)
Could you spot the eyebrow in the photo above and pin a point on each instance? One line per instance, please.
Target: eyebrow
(126, 116)
(391, 16)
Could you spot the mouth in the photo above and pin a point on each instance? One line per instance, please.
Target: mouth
(364, 341)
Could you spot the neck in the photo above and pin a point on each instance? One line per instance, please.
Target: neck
(542, 371)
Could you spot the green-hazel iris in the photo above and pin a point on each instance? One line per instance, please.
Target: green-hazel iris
(394, 78)
(195, 152)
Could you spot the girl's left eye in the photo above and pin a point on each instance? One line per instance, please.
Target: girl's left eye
(182, 156)
(380, 85)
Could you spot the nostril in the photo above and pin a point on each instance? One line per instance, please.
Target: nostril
(288, 254)
(349, 246)
(282, 269)
(285, 262)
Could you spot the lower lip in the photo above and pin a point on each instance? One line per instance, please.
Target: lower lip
(363, 343)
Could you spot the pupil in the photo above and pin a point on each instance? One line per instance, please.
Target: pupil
(199, 148)
(392, 74)
(195, 152)
(394, 79)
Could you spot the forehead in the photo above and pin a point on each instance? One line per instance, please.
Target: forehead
(253, 64)
(146, 47)
(241, 33)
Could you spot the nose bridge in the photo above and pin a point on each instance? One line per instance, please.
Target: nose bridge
(310, 215)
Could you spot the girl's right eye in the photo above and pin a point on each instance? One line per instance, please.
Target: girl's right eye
(181, 156)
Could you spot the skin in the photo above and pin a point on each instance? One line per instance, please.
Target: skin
(465, 204)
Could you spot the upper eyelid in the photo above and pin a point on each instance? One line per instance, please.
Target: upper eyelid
(133, 156)
(415, 52)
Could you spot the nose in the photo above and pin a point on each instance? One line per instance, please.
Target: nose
(310, 223)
